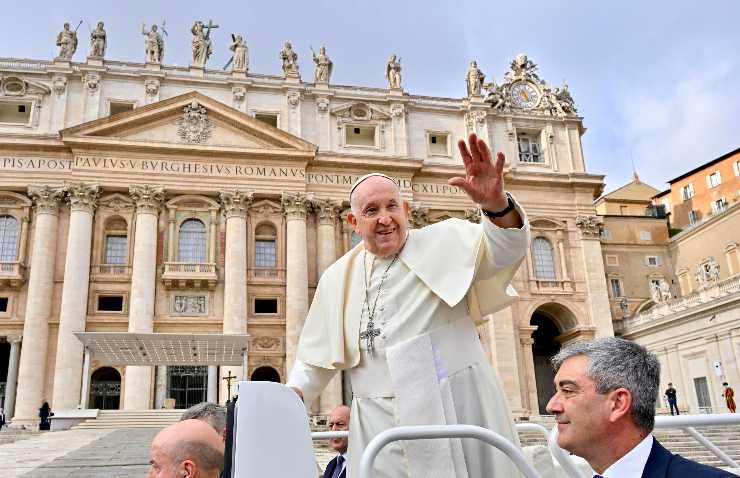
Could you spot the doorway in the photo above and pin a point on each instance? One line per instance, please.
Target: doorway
(105, 389)
(187, 384)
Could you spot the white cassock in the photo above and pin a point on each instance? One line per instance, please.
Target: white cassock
(428, 366)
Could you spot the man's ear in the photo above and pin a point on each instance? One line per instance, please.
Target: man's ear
(407, 209)
(620, 401)
(187, 469)
(352, 220)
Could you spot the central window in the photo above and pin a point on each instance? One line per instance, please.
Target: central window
(8, 238)
(529, 149)
(116, 249)
(359, 135)
(544, 260)
(264, 253)
(192, 242)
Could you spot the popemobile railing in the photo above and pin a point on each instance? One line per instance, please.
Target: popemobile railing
(685, 422)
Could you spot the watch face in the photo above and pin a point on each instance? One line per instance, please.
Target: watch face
(525, 95)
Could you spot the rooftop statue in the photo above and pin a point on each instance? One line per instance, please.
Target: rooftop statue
(324, 66)
(393, 73)
(202, 44)
(290, 60)
(98, 41)
(153, 43)
(67, 42)
(474, 79)
(240, 58)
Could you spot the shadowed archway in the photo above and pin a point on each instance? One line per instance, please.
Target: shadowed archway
(265, 374)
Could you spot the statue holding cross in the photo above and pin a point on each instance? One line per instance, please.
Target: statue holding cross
(202, 44)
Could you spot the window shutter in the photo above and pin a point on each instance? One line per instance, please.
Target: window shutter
(709, 180)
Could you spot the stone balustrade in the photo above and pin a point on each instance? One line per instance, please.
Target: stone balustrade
(12, 275)
(189, 274)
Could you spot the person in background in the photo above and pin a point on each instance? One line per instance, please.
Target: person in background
(729, 395)
(211, 413)
(670, 395)
(187, 449)
(44, 414)
(339, 421)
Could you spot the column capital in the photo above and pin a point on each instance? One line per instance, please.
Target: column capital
(148, 198)
(295, 205)
(13, 339)
(46, 198)
(236, 202)
(327, 210)
(83, 197)
(473, 215)
(590, 226)
(419, 215)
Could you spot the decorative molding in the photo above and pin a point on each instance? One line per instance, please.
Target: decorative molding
(419, 215)
(17, 86)
(322, 105)
(239, 94)
(473, 215)
(148, 198)
(91, 81)
(264, 208)
(590, 226)
(265, 344)
(46, 198)
(398, 110)
(236, 202)
(151, 87)
(59, 85)
(193, 126)
(295, 205)
(294, 99)
(327, 210)
(82, 197)
(116, 202)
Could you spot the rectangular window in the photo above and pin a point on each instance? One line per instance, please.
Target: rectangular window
(687, 192)
(714, 179)
(612, 260)
(117, 107)
(264, 253)
(736, 168)
(269, 118)
(265, 306)
(719, 205)
(3, 304)
(693, 217)
(439, 144)
(116, 249)
(359, 135)
(15, 112)
(645, 236)
(616, 287)
(652, 261)
(110, 303)
(529, 149)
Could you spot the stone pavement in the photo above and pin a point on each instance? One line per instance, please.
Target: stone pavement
(119, 453)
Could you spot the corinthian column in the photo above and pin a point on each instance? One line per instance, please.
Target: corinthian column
(138, 389)
(295, 207)
(68, 365)
(235, 204)
(32, 368)
(327, 212)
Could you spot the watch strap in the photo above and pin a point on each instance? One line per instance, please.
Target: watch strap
(494, 214)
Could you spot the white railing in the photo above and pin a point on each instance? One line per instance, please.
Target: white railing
(189, 268)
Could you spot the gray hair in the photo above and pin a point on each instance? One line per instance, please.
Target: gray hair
(618, 363)
(211, 413)
(203, 454)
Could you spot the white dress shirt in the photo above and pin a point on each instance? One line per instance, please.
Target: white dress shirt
(633, 463)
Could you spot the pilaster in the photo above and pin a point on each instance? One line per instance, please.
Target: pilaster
(593, 267)
(11, 383)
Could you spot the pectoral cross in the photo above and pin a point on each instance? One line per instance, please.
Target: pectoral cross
(228, 379)
(369, 335)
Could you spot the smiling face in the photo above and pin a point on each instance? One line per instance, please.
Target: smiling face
(339, 421)
(582, 414)
(379, 216)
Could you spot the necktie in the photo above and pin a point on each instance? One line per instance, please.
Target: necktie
(338, 468)
(598, 476)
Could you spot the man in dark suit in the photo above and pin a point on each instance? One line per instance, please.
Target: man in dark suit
(604, 405)
(339, 421)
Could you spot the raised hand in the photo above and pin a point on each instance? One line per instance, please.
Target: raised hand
(484, 178)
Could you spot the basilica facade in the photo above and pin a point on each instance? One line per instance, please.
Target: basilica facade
(146, 198)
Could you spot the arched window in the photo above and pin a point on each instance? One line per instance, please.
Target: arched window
(192, 242)
(116, 242)
(544, 260)
(265, 246)
(8, 238)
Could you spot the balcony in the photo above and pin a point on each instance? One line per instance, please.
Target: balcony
(266, 274)
(190, 275)
(110, 273)
(12, 275)
(550, 286)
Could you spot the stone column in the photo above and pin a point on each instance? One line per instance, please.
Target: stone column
(529, 390)
(505, 327)
(595, 276)
(11, 383)
(327, 212)
(295, 206)
(235, 204)
(85, 392)
(73, 314)
(138, 390)
(160, 387)
(32, 368)
(212, 392)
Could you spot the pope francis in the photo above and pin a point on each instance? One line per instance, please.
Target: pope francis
(399, 311)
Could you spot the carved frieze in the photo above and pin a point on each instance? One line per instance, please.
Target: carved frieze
(190, 304)
(148, 198)
(236, 202)
(82, 197)
(194, 126)
(116, 202)
(46, 198)
(266, 344)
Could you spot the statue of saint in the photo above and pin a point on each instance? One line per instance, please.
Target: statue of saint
(67, 43)
(153, 43)
(393, 73)
(290, 60)
(324, 66)
(98, 42)
(202, 44)
(624, 305)
(474, 79)
(241, 53)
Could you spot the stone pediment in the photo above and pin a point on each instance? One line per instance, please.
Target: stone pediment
(359, 111)
(188, 121)
(16, 86)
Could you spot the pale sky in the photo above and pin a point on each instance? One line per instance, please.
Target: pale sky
(657, 81)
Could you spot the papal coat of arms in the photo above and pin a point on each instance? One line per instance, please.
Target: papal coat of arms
(194, 125)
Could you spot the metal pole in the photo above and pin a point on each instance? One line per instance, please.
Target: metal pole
(712, 447)
(443, 431)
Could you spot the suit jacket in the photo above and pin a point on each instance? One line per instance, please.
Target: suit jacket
(664, 464)
(330, 469)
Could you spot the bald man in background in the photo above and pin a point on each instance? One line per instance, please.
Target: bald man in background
(187, 449)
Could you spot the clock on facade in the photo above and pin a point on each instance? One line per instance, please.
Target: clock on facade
(524, 95)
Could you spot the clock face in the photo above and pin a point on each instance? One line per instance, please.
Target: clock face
(525, 95)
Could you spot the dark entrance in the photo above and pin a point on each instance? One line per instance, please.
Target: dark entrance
(105, 389)
(188, 385)
(4, 361)
(543, 348)
(265, 374)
